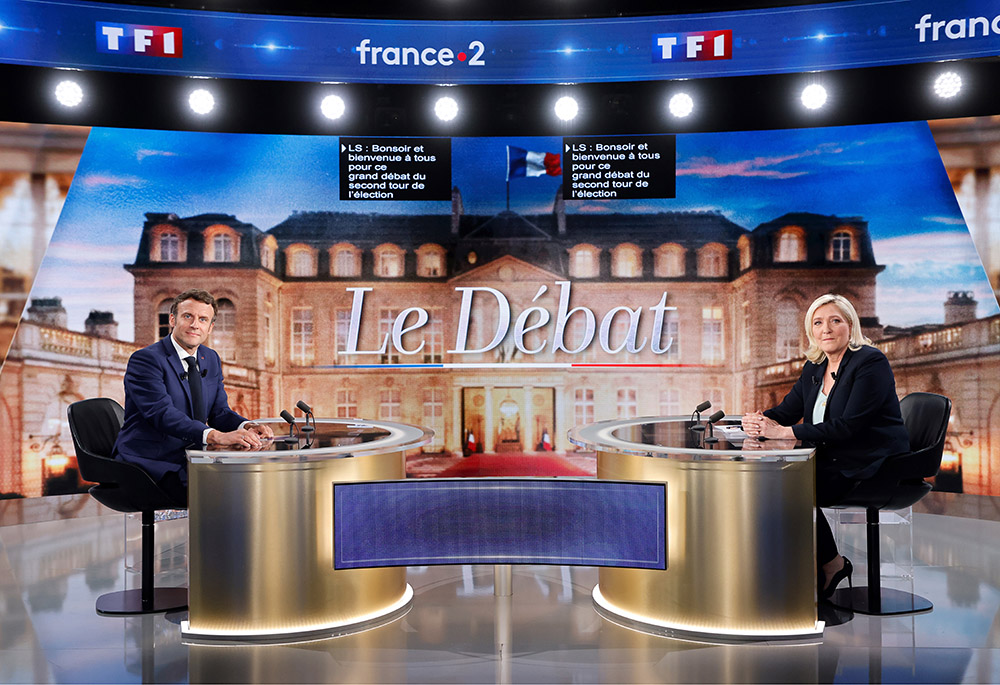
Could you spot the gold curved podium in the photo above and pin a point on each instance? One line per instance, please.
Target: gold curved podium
(261, 535)
(740, 534)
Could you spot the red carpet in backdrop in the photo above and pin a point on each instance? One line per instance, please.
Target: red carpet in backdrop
(512, 465)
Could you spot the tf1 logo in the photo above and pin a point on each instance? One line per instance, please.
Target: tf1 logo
(139, 39)
(697, 45)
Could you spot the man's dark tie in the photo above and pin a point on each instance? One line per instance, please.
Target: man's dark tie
(194, 380)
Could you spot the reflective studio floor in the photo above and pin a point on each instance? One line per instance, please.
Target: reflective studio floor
(57, 556)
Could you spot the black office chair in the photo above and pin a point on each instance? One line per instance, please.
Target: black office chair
(95, 424)
(898, 484)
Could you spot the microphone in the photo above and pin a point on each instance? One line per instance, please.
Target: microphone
(307, 410)
(717, 416)
(834, 375)
(816, 380)
(696, 414)
(292, 426)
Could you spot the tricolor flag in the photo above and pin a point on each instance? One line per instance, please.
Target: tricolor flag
(521, 162)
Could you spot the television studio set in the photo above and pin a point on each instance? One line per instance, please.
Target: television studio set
(526, 342)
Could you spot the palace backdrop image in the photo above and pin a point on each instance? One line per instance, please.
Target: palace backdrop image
(501, 323)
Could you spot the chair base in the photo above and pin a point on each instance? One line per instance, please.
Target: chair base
(894, 602)
(129, 602)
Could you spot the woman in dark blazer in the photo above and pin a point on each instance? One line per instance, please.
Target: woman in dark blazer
(846, 400)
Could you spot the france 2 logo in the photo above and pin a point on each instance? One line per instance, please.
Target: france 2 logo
(139, 39)
(693, 46)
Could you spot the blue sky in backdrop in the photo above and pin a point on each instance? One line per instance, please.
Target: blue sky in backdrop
(889, 174)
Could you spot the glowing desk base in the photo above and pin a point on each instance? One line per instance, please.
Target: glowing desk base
(644, 624)
(303, 633)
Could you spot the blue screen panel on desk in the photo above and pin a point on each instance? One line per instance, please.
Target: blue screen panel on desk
(500, 521)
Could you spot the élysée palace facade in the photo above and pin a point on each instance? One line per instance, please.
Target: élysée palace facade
(735, 299)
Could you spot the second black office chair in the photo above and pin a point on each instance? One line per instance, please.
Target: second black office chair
(898, 484)
(124, 487)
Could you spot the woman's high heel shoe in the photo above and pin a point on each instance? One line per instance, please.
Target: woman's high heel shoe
(846, 572)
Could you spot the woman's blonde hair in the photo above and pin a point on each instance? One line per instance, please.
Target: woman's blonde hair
(857, 338)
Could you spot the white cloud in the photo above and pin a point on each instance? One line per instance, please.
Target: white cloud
(949, 247)
(85, 253)
(947, 220)
(95, 181)
(142, 153)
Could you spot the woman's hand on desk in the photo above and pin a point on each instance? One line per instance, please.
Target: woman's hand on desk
(756, 425)
(751, 444)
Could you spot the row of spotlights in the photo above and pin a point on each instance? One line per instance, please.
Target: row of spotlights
(70, 94)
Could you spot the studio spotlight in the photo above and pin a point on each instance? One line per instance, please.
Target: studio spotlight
(446, 108)
(566, 108)
(333, 107)
(69, 93)
(681, 105)
(813, 96)
(201, 101)
(947, 85)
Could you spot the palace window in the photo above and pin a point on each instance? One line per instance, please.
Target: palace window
(222, 244)
(301, 261)
(711, 335)
(434, 417)
(668, 261)
(387, 317)
(713, 261)
(346, 261)
(433, 352)
(626, 261)
(628, 403)
(302, 336)
(347, 403)
(788, 326)
(790, 245)
(430, 261)
(583, 406)
(843, 246)
(743, 246)
(224, 332)
(670, 335)
(388, 408)
(269, 342)
(268, 250)
(168, 244)
(388, 261)
(163, 319)
(584, 261)
(670, 402)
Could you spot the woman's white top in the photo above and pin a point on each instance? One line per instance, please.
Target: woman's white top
(819, 409)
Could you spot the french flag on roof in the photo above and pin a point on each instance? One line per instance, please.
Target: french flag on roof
(521, 162)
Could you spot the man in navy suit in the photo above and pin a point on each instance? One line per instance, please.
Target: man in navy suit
(174, 398)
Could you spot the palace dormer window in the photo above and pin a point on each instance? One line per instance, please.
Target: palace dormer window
(668, 261)
(222, 244)
(790, 244)
(430, 261)
(345, 261)
(301, 261)
(713, 261)
(389, 261)
(268, 251)
(743, 247)
(843, 246)
(584, 261)
(168, 244)
(626, 261)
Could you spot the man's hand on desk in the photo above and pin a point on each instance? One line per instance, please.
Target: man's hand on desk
(241, 437)
(262, 430)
